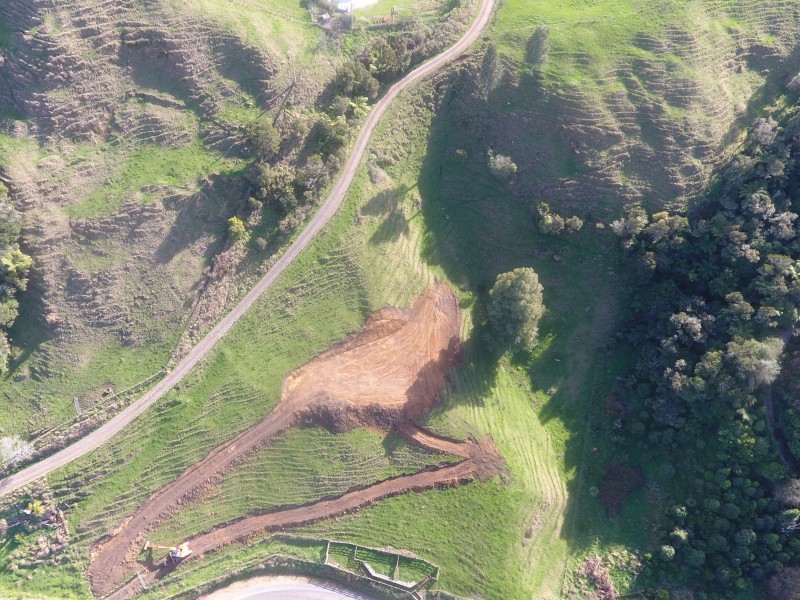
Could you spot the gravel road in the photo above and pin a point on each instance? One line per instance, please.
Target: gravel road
(317, 223)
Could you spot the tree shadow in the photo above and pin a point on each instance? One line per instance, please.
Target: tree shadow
(28, 333)
(204, 214)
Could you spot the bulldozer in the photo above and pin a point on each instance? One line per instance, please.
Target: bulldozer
(176, 553)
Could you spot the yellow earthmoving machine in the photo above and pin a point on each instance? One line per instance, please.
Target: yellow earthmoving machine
(176, 554)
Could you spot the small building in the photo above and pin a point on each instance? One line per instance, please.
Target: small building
(343, 6)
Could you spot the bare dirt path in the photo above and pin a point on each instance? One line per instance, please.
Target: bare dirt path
(317, 223)
(393, 369)
(442, 476)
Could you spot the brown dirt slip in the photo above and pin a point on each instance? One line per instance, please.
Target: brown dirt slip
(388, 373)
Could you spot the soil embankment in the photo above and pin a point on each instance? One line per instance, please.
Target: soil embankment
(384, 376)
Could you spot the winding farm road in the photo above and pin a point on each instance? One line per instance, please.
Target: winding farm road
(317, 223)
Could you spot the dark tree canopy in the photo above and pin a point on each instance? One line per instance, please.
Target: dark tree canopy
(14, 268)
(491, 73)
(716, 300)
(264, 138)
(537, 47)
(353, 79)
(515, 307)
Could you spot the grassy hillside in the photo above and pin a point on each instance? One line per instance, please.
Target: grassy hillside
(631, 105)
(522, 533)
(635, 101)
(122, 138)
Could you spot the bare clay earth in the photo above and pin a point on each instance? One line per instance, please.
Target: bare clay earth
(386, 375)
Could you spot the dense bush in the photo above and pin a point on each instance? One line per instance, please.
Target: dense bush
(717, 297)
(14, 268)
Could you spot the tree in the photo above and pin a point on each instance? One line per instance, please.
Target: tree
(785, 584)
(631, 224)
(667, 552)
(788, 493)
(264, 138)
(502, 166)
(756, 362)
(276, 185)
(386, 59)
(5, 355)
(237, 229)
(9, 221)
(353, 79)
(537, 47)
(491, 73)
(574, 224)
(36, 508)
(515, 307)
(14, 267)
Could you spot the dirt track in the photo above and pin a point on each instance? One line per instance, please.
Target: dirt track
(483, 454)
(386, 375)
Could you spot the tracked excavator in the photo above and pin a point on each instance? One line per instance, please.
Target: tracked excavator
(176, 554)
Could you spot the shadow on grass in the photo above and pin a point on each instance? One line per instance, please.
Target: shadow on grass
(477, 228)
(28, 333)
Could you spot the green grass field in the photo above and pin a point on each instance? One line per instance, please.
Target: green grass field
(415, 212)
(520, 535)
(279, 26)
(145, 166)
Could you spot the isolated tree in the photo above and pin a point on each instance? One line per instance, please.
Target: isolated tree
(537, 47)
(264, 138)
(491, 73)
(36, 508)
(515, 307)
(502, 166)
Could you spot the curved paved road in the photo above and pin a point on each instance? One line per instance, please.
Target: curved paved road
(285, 588)
(327, 210)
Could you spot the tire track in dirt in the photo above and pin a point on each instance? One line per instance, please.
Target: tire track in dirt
(443, 476)
(383, 377)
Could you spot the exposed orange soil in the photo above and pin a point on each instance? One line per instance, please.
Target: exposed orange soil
(385, 376)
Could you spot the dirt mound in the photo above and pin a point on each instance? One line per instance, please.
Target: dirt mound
(384, 376)
(395, 365)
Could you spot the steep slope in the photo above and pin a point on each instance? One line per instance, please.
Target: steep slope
(634, 101)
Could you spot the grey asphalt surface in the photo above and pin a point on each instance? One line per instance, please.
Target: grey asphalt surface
(297, 591)
(317, 223)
